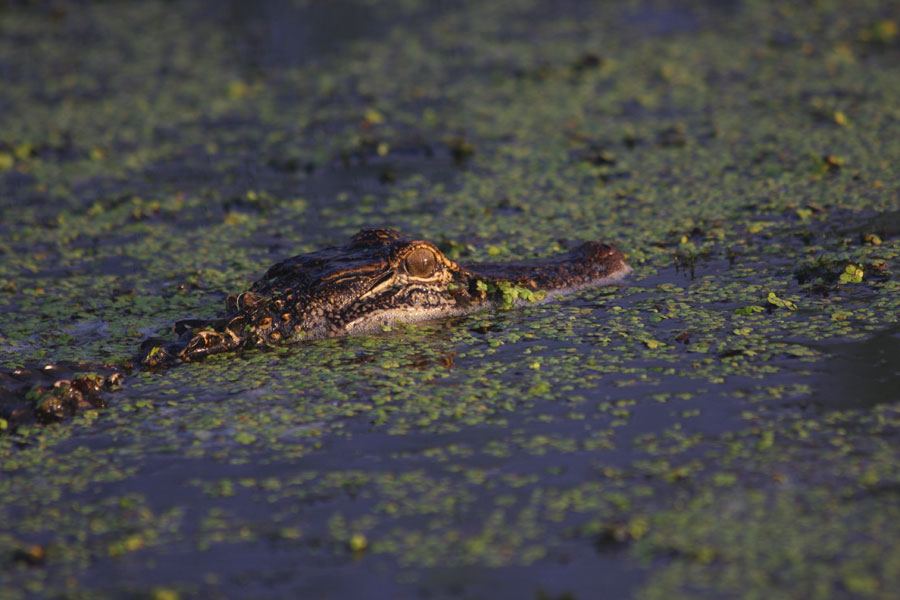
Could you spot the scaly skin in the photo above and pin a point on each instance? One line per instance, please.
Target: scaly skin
(377, 279)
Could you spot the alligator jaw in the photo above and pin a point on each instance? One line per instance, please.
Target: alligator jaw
(592, 263)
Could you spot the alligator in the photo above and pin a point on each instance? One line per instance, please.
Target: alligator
(379, 278)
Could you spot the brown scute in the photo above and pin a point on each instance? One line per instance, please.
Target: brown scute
(237, 323)
(248, 300)
(368, 237)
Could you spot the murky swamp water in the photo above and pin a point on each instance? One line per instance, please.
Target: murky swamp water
(724, 423)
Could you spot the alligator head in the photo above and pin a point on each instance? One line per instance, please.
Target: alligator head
(377, 279)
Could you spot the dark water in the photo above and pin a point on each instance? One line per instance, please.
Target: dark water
(861, 374)
(279, 34)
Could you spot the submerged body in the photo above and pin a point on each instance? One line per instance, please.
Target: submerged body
(377, 279)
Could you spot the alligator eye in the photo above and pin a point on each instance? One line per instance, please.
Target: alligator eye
(421, 263)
